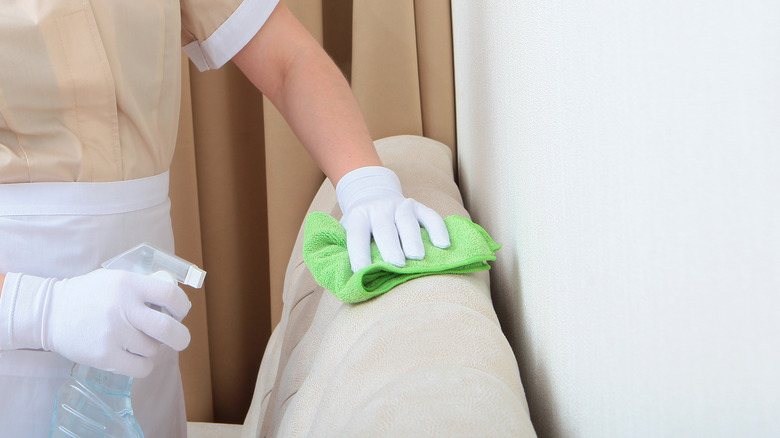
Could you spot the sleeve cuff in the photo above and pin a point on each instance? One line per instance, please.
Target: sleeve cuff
(231, 36)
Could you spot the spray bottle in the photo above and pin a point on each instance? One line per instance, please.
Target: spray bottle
(96, 403)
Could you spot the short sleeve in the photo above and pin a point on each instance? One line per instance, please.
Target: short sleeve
(213, 31)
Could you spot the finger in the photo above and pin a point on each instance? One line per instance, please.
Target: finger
(132, 365)
(434, 224)
(159, 326)
(142, 345)
(386, 238)
(170, 296)
(409, 231)
(358, 242)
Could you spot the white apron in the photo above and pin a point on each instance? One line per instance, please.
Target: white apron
(64, 230)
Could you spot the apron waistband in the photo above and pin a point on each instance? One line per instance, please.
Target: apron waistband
(83, 198)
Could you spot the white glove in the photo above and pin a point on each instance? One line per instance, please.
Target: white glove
(99, 319)
(372, 203)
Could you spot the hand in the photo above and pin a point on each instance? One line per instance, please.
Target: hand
(100, 319)
(372, 203)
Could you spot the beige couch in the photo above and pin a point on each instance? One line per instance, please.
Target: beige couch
(427, 358)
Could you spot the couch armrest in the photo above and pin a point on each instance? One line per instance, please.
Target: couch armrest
(427, 358)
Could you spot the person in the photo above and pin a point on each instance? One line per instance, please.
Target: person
(89, 97)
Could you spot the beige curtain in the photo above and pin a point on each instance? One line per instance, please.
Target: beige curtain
(241, 182)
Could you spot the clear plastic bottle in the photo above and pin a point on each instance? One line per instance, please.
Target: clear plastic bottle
(95, 403)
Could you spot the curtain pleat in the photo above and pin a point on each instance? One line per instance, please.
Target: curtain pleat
(228, 126)
(337, 33)
(402, 71)
(437, 81)
(385, 76)
(195, 366)
(241, 181)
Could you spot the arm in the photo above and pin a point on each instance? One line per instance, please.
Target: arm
(288, 65)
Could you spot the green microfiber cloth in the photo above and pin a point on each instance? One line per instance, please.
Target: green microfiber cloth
(325, 254)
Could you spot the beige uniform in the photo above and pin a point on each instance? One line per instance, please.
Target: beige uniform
(89, 103)
(89, 89)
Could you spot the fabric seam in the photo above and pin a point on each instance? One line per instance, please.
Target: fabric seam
(233, 34)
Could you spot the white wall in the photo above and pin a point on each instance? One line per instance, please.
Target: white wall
(627, 155)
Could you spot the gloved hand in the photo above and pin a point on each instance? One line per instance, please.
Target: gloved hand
(99, 319)
(372, 203)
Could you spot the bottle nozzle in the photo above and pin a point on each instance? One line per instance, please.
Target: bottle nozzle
(146, 259)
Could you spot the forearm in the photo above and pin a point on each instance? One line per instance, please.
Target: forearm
(299, 78)
(321, 109)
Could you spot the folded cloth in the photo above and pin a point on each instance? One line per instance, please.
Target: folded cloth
(325, 254)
